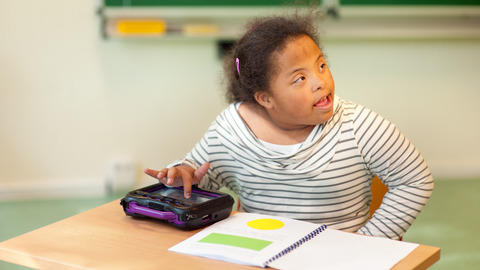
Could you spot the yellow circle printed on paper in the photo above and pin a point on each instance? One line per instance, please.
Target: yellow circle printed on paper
(265, 224)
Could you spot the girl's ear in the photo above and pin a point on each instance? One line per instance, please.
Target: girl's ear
(263, 98)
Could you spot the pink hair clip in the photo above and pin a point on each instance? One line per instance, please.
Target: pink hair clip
(254, 27)
(237, 62)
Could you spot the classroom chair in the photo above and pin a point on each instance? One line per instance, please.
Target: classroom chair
(378, 191)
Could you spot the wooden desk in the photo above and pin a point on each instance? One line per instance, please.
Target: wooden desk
(105, 238)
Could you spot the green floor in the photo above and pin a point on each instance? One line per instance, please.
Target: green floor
(449, 221)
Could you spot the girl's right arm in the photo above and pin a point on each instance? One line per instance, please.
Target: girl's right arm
(181, 174)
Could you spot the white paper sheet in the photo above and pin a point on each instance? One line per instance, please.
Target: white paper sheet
(333, 249)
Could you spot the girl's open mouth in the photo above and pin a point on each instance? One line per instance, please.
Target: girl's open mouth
(324, 103)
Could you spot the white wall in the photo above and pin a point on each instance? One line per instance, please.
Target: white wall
(429, 89)
(70, 101)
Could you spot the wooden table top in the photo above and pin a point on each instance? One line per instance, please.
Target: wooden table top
(105, 238)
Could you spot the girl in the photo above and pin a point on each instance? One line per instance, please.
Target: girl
(289, 146)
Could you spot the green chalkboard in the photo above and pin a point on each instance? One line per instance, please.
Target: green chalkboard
(238, 3)
(411, 2)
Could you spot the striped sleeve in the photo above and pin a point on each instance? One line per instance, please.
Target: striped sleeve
(388, 154)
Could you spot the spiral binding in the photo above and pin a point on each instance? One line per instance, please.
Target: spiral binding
(297, 244)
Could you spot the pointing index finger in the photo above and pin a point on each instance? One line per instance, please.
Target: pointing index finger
(154, 173)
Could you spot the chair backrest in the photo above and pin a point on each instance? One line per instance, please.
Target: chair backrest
(378, 191)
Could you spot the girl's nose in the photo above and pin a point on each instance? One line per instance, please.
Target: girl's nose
(318, 83)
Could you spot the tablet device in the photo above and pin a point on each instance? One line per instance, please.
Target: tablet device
(169, 204)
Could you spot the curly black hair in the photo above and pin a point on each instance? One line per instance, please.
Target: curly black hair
(264, 38)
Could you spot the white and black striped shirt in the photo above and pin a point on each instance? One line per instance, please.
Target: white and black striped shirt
(327, 179)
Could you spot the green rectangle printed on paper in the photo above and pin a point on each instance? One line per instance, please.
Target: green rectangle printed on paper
(235, 241)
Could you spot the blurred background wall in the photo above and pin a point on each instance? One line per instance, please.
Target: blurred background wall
(72, 104)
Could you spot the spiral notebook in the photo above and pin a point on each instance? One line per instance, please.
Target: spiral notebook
(283, 243)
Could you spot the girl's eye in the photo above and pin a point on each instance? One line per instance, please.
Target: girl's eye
(299, 79)
(322, 66)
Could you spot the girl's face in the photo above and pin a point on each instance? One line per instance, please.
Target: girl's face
(302, 89)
